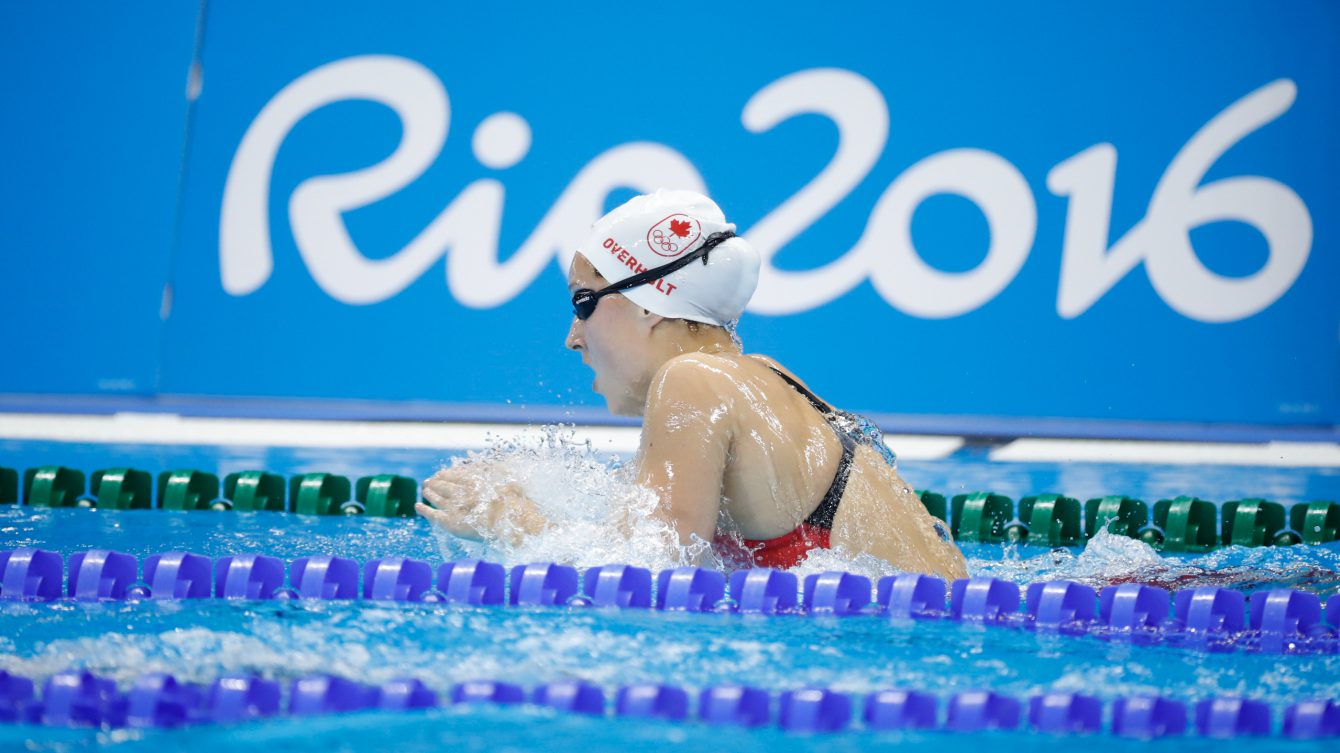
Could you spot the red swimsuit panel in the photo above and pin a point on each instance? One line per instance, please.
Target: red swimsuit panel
(786, 551)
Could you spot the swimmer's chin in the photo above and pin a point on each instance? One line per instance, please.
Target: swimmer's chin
(626, 411)
(622, 407)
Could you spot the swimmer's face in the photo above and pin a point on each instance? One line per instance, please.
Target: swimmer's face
(614, 342)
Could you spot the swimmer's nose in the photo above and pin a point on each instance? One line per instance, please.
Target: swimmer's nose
(576, 340)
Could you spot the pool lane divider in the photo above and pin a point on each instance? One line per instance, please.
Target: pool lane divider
(382, 495)
(1181, 524)
(1278, 621)
(78, 698)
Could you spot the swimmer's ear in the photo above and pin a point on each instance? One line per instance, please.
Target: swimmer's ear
(649, 320)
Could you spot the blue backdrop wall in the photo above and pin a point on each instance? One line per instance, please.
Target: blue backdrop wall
(1108, 211)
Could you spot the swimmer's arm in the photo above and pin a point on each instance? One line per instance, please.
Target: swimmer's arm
(685, 442)
(460, 505)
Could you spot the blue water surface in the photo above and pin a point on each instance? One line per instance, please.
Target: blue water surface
(374, 642)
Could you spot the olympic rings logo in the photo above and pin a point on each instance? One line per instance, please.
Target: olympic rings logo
(668, 246)
(674, 235)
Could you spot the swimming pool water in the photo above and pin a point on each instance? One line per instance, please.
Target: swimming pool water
(371, 642)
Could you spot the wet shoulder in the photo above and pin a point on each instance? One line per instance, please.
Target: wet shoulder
(706, 380)
(699, 369)
(720, 380)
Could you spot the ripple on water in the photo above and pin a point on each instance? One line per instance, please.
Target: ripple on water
(1109, 559)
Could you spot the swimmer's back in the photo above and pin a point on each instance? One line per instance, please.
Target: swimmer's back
(781, 460)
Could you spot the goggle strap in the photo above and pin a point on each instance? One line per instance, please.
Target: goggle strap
(651, 275)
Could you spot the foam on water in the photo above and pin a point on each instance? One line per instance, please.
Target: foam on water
(442, 645)
(597, 514)
(1110, 559)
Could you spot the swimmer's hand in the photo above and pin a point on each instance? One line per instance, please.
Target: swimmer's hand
(463, 504)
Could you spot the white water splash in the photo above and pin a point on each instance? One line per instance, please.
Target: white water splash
(597, 515)
(1107, 558)
(830, 560)
(1110, 559)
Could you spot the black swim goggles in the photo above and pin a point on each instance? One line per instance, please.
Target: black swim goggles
(584, 300)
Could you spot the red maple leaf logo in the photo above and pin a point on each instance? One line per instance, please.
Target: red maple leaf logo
(680, 228)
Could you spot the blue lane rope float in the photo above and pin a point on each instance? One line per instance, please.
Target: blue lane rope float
(1276, 621)
(78, 698)
(1182, 524)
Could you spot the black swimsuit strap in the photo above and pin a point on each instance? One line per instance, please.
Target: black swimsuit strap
(818, 404)
(822, 517)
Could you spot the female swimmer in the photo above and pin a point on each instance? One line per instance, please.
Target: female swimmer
(654, 287)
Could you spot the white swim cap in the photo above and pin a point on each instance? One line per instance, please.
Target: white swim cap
(656, 229)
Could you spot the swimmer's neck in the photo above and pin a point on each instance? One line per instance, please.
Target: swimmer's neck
(671, 338)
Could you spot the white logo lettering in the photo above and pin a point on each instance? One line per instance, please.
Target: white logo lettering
(1178, 205)
(468, 227)
(466, 231)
